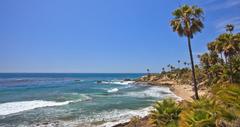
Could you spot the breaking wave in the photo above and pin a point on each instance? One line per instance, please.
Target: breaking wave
(20, 106)
(119, 82)
(114, 90)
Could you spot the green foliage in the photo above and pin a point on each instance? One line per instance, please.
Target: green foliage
(228, 95)
(206, 112)
(236, 68)
(200, 113)
(228, 98)
(165, 114)
(220, 65)
(223, 69)
(187, 21)
(221, 108)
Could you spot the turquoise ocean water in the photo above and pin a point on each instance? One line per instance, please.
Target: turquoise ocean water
(69, 100)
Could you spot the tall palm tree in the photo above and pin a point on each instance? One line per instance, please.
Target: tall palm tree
(148, 71)
(229, 49)
(204, 59)
(179, 63)
(172, 68)
(187, 22)
(229, 28)
(169, 65)
(236, 40)
(211, 46)
(216, 46)
(185, 63)
(219, 48)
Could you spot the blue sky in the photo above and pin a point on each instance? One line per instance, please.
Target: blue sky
(102, 35)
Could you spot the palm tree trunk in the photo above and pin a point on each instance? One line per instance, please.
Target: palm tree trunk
(209, 75)
(231, 70)
(222, 60)
(193, 69)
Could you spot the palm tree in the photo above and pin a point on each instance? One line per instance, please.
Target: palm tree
(236, 41)
(216, 46)
(163, 69)
(229, 28)
(204, 59)
(148, 71)
(169, 66)
(187, 22)
(213, 58)
(211, 46)
(185, 63)
(219, 48)
(179, 63)
(172, 68)
(229, 49)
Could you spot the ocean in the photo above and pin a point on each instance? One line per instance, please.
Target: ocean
(74, 100)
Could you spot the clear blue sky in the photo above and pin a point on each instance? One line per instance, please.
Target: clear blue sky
(101, 35)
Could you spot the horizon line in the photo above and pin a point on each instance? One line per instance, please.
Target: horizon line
(77, 72)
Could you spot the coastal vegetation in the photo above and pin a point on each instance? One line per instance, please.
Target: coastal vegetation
(218, 73)
(221, 108)
(165, 113)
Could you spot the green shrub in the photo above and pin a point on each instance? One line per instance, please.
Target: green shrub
(199, 113)
(165, 114)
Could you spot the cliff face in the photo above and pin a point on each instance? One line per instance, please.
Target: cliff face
(170, 80)
(157, 80)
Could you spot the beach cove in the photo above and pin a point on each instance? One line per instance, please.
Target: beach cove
(75, 99)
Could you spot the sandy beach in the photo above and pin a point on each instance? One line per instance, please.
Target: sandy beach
(185, 92)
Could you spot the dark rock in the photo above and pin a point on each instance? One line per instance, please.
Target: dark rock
(127, 79)
(99, 81)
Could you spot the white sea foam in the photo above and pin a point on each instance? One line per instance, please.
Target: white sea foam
(122, 116)
(118, 116)
(155, 91)
(113, 90)
(122, 82)
(113, 117)
(118, 82)
(15, 107)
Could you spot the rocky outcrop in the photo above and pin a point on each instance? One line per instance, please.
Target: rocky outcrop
(157, 80)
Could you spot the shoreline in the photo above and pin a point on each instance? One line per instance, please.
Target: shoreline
(183, 91)
(179, 92)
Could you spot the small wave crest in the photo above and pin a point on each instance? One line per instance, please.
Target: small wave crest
(156, 92)
(114, 90)
(119, 82)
